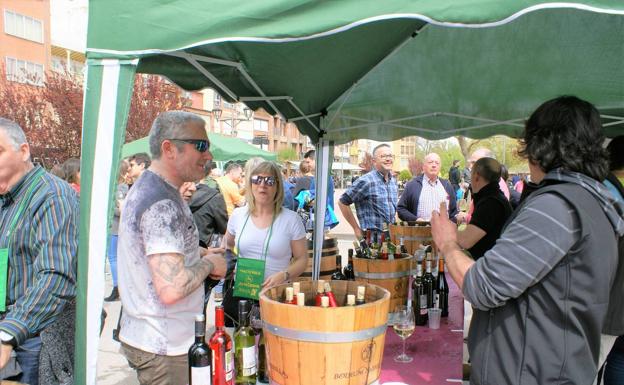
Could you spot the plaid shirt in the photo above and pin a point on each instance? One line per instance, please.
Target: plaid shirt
(375, 199)
(42, 257)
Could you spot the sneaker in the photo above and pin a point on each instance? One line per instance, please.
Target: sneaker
(114, 295)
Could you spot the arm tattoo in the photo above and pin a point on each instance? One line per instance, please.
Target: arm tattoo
(172, 279)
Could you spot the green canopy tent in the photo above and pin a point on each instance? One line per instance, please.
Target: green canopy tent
(341, 70)
(223, 148)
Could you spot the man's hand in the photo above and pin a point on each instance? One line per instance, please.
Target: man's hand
(5, 354)
(216, 256)
(443, 231)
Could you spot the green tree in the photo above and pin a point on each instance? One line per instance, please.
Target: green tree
(405, 175)
(286, 154)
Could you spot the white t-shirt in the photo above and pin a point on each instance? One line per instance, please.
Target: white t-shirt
(155, 220)
(286, 228)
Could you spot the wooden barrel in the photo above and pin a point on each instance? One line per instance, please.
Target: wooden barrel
(328, 260)
(309, 345)
(413, 236)
(392, 275)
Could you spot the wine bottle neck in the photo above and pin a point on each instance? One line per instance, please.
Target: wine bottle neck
(219, 318)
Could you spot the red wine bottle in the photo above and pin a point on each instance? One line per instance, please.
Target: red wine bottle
(442, 290)
(199, 355)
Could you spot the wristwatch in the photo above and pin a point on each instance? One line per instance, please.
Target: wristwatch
(286, 276)
(7, 339)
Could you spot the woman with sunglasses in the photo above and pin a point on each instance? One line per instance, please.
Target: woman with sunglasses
(265, 236)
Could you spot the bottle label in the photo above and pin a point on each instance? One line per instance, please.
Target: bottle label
(437, 299)
(423, 301)
(229, 365)
(201, 375)
(249, 361)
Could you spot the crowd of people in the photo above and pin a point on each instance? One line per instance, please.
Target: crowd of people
(538, 261)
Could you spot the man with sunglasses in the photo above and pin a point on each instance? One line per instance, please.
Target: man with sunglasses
(161, 267)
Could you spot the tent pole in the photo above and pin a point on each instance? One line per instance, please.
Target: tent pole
(324, 154)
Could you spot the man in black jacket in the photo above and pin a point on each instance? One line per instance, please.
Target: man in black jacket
(208, 208)
(455, 175)
(424, 193)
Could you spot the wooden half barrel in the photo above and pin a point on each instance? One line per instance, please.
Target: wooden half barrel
(328, 260)
(413, 236)
(392, 275)
(309, 345)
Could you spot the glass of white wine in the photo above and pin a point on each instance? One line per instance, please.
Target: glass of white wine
(404, 327)
(463, 205)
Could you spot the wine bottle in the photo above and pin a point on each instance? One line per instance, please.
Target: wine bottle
(330, 295)
(442, 289)
(199, 355)
(324, 301)
(222, 355)
(348, 270)
(245, 347)
(428, 284)
(419, 298)
(374, 248)
(350, 300)
(403, 249)
(300, 299)
(289, 296)
(337, 275)
(320, 292)
(263, 371)
(383, 251)
(296, 289)
(361, 295)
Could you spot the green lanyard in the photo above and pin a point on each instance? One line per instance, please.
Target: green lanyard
(267, 240)
(4, 252)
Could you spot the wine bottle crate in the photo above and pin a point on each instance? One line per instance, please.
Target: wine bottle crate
(413, 236)
(328, 260)
(309, 345)
(392, 275)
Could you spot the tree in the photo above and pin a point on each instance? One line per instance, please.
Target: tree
(51, 115)
(286, 154)
(405, 175)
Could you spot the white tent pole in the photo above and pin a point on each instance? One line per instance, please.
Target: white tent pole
(324, 151)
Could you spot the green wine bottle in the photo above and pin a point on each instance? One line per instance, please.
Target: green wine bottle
(245, 347)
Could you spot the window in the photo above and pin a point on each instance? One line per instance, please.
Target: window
(261, 125)
(23, 71)
(217, 100)
(23, 26)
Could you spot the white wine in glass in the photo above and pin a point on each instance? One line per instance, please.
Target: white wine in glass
(404, 327)
(463, 205)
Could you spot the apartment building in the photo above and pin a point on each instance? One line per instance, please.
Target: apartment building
(25, 47)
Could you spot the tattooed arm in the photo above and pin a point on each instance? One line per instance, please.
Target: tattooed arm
(174, 281)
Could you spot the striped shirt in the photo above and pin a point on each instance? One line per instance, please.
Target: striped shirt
(42, 252)
(431, 195)
(375, 199)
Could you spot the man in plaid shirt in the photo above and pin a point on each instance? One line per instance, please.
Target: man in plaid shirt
(375, 195)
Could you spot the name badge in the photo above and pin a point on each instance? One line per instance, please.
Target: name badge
(4, 264)
(249, 278)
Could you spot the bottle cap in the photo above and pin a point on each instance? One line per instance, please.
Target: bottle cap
(324, 301)
(361, 291)
(350, 299)
(300, 299)
(296, 288)
(200, 318)
(289, 294)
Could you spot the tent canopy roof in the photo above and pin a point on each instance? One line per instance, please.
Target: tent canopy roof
(380, 70)
(223, 148)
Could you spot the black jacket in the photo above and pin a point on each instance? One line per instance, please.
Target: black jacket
(209, 212)
(408, 204)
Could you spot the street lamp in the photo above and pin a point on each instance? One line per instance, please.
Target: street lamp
(234, 119)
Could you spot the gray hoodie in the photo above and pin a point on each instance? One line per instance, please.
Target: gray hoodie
(541, 293)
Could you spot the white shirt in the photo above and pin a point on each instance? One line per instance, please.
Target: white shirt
(286, 228)
(155, 220)
(431, 195)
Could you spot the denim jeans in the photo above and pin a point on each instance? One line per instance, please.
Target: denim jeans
(28, 359)
(112, 257)
(614, 370)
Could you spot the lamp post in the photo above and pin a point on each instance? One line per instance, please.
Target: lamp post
(234, 119)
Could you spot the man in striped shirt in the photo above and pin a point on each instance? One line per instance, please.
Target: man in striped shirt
(39, 238)
(541, 293)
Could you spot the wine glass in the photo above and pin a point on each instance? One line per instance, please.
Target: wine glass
(216, 241)
(463, 205)
(404, 327)
(255, 321)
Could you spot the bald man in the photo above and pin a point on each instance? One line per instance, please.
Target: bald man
(425, 192)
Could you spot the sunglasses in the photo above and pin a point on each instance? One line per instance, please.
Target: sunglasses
(201, 145)
(258, 179)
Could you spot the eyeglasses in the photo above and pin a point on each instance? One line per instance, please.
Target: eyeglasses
(388, 156)
(259, 179)
(201, 145)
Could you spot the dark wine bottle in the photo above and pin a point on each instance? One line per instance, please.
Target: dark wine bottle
(337, 275)
(222, 355)
(442, 289)
(360, 298)
(419, 298)
(245, 347)
(263, 370)
(428, 284)
(199, 355)
(348, 270)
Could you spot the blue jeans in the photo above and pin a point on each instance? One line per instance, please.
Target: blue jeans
(112, 257)
(28, 359)
(614, 370)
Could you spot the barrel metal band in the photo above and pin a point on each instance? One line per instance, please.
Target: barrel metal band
(273, 382)
(325, 337)
(394, 274)
(416, 238)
